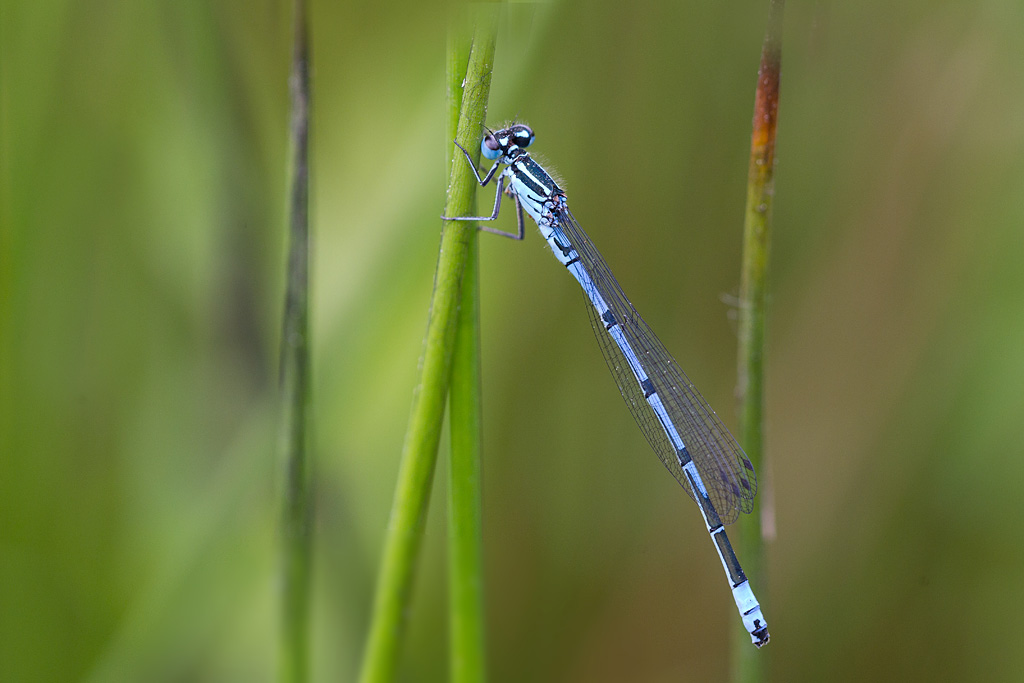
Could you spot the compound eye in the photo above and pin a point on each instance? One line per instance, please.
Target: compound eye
(490, 147)
(523, 136)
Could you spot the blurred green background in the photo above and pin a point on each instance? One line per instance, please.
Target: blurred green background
(144, 154)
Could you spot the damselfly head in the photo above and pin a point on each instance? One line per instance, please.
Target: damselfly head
(506, 141)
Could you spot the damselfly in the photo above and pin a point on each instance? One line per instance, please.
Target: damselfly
(679, 424)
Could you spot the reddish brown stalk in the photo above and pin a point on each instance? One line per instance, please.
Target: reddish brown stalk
(749, 665)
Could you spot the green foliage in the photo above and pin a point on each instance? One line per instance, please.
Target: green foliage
(412, 491)
(467, 661)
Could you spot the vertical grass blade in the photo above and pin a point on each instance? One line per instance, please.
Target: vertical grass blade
(750, 665)
(466, 641)
(419, 453)
(294, 379)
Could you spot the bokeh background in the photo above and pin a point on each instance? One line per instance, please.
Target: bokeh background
(143, 161)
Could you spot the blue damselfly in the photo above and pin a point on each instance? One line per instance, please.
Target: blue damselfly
(679, 424)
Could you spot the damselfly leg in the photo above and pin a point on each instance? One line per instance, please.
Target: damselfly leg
(521, 232)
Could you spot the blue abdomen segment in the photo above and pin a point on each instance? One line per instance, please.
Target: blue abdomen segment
(568, 256)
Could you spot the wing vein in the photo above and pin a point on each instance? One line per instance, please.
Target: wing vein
(723, 467)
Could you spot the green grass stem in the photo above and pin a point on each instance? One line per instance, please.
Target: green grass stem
(419, 453)
(466, 641)
(751, 665)
(294, 381)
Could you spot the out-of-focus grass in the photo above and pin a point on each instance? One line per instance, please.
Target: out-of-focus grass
(297, 511)
(143, 193)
